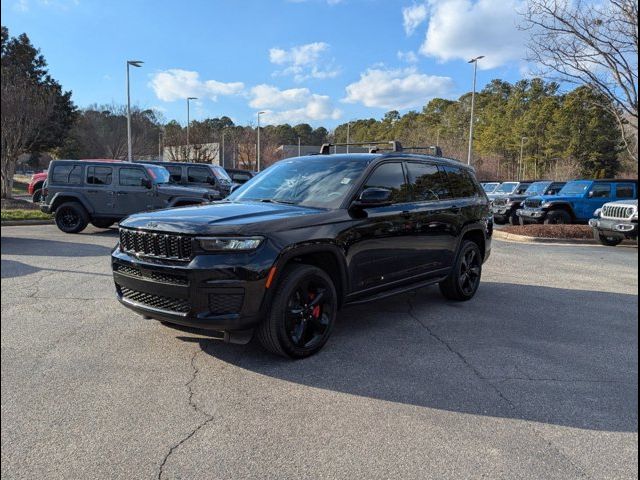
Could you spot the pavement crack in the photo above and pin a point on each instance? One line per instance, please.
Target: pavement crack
(194, 406)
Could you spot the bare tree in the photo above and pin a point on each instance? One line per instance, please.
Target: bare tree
(25, 108)
(591, 43)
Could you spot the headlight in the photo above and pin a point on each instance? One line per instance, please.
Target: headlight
(631, 211)
(546, 205)
(217, 244)
(597, 213)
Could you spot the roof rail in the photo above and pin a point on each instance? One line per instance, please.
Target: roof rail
(325, 149)
(435, 149)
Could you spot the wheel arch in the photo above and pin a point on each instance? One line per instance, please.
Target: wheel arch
(60, 198)
(476, 233)
(562, 206)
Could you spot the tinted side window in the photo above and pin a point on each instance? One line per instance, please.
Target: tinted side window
(67, 174)
(553, 189)
(427, 182)
(601, 190)
(132, 177)
(99, 175)
(521, 189)
(390, 176)
(624, 190)
(460, 183)
(175, 174)
(198, 174)
(241, 177)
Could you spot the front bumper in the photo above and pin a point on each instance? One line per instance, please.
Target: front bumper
(217, 292)
(44, 208)
(615, 227)
(531, 215)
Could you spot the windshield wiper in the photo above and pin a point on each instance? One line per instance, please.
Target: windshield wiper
(271, 200)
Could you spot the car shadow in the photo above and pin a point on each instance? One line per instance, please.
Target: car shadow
(50, 248)
(551, 355)
(12, 269)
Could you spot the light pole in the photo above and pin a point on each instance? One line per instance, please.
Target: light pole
(133, 63)
(160, 156)
(299, 148)
(258, 147)
(348, 135)
(189, 121)
(520, 171)
(222, 156)
(473, 100)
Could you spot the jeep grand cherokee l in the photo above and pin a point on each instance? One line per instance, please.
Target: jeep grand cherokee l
(307, 236)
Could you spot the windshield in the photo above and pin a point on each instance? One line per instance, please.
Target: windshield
(490, 187)
(506, 187)
(221, 174)
(321, 183)
(158, 174)
(537, 188)
(575, 188)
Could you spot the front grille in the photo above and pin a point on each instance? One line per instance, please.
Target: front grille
(615, 211)
(532, 203)
(171, 278)
(177, 305)
(152, 244)
(225, 303)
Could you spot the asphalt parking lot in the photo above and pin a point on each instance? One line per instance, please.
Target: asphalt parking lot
(534, 378)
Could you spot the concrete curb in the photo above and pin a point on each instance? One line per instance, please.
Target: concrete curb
(15, 223)
(512, 237)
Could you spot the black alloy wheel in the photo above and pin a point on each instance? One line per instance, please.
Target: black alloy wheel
(308, 313)
(71, 217)
(464, 279)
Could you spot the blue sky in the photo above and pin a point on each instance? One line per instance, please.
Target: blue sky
(318, 61)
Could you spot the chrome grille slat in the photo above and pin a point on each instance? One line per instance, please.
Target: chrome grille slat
(177, 247)
(615, 211)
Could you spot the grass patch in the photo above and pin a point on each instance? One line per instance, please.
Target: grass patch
(19, 188)
(19, 214)
(551, 231)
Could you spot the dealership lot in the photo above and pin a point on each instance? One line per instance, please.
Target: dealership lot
(535, 377)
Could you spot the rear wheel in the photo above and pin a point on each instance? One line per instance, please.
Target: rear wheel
(464, 279)
(102, 222)
(557, 217)
(302, 314)
(37, 196)
(71, 217)
(609, 241)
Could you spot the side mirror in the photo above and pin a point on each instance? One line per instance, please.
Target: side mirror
(234, 187)
(211, 180)
(590, 194)
(374, 197)
(146, 183)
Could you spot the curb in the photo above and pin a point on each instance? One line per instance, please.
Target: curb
(15, 223)
(512, 237)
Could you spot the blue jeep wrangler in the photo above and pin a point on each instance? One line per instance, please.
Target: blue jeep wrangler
(576, 202)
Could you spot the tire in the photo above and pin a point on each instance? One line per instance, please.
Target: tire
(557, 217)
(37, 196)
(498, 221)
(514, 219)
(521, 221)
(605, 240)
(463, 281)
(71, 217)
(102, 222)
(297, 326)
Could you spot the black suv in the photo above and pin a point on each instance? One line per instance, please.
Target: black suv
(307, 236)
(203, 175)
(80, 191)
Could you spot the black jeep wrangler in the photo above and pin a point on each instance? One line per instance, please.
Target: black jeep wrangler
(79, 192)
(306, 237)
(203, 175)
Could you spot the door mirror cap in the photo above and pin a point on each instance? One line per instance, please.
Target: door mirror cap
(374, 197)
(591, 194)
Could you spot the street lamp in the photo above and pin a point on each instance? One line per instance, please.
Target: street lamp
(348, 134)
(258, 148)
(133, 63)
(520, 172)
(473, 99)
(189, 120)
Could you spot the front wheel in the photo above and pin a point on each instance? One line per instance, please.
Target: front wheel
(514, 219)
(557, 217)
(464, 279)
(302, 314)
(71, 217)
(608, 241)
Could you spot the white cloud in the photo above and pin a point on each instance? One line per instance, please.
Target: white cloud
(413, 16)
(396, 89)
(177, 84)
(21, 6)
(463, 29)
(304, 61)
(409, 57)
(294, 105)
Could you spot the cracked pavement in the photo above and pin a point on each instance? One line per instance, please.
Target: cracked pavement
(536, 377)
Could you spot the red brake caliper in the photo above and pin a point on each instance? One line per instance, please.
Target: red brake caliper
(316, 309)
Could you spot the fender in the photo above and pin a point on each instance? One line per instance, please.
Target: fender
(292, 251)
(61, 197)
(560, 204)
(475, 226)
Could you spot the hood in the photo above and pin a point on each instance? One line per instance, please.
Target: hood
(172, 189)
(221, 218)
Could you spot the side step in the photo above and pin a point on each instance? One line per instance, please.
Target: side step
(395, 291)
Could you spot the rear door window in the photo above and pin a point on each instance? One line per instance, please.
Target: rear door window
(427, 182)
(99, 175)
(67, 175)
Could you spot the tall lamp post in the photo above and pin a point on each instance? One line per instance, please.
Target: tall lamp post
(189, 121)
(133, 63)
(348, 135)
(473, 101)
(520, 171)
(258, 147)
